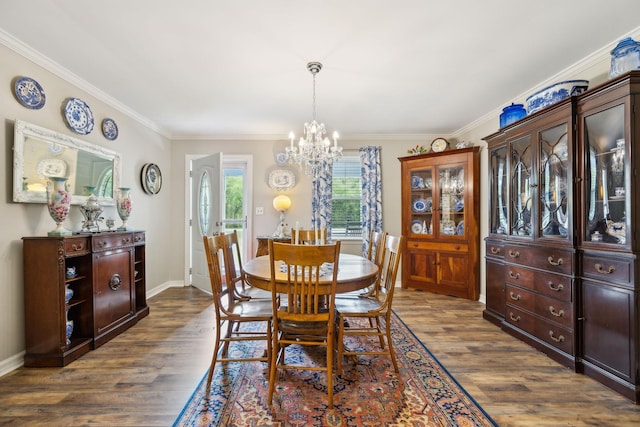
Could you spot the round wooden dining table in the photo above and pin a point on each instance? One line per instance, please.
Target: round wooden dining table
(354, 273)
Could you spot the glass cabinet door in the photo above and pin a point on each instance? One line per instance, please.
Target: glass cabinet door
(606, 177)
(498, 221)
(451, 201)
(522, 185)
(555, 164)
(421, 201)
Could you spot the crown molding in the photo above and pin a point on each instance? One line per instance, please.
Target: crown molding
(53, 67)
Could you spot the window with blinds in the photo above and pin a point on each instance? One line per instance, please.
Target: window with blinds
(346, 195)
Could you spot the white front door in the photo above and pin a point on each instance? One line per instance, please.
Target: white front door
(206, 213)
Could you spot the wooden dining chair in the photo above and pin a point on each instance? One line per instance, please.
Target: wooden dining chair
(308, 316)
(376, 309)
(308, 237)
(234, 313)
(234, 274)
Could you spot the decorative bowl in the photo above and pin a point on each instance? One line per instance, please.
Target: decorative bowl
(555, 93)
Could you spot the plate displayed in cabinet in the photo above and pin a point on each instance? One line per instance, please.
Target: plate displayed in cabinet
(416, 227)
(417, 181)
(78, 116)
(460, 229)
(419, 205)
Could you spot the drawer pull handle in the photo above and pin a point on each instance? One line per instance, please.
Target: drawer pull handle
(553, 337)
(495, 250)
(601, 270)
(138, 238)
(514, 276)
(102, 243)
(552, 262)
(553, 311)
(514, 296)
(556, 288)
(115, 282)
(514, 254)
(514, 318)
(77, 247)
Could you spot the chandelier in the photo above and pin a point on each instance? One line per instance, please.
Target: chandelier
(314, 148)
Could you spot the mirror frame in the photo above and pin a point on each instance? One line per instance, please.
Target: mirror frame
(24, 130)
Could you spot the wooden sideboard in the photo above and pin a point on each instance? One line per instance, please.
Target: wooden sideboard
(108, 293)
(263, 243)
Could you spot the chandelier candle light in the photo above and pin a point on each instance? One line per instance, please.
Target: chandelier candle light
(314, 148)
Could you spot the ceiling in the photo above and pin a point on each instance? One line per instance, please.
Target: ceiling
(213, 68)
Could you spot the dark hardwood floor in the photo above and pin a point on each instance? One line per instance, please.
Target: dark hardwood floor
(144, 376)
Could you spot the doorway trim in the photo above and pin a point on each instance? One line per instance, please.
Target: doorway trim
(231, 158)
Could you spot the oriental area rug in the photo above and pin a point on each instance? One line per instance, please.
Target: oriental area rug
(369, 393)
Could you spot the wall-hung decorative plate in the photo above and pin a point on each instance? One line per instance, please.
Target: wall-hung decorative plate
(281, 158)
(109, 129)
(29, 93)
(79, 116)
(282, 179)
(151, 178)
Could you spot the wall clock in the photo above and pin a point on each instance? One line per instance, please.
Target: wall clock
(151, 178)
(438, 145)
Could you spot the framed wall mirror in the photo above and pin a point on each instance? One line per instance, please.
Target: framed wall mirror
(40, 153)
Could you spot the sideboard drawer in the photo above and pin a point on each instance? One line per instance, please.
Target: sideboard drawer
(107, 242)
(615, 270)
(76, 246)
(520, 297)
(545, 258)
(139, 238)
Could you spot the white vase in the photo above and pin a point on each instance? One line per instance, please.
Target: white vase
(123, 205)
(58, 203)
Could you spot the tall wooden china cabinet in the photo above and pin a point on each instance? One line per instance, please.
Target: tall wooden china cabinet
(440, 215)
(562, 250)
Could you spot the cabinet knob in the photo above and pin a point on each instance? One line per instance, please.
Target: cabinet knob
(553, 311)
(514, 276)
(552, 261)
(514, 296)
(77, 247)
(514, 254)
(601, 270)
(514, 318)
(553, 337)
(556, 288)
(495, 250)
(115, 282)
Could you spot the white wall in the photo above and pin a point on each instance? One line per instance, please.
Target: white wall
(137, 144)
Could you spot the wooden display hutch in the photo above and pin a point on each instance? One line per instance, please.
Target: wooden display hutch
(440, 218)
(562, 249)
(109, 293)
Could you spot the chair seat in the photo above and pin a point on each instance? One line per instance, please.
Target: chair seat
(350, 306)
(252, 308)
(254, 293)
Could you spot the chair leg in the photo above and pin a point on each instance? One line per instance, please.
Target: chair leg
(330, 339)
(340, 355)
(272, 367)
(216, 348)
(392, 353)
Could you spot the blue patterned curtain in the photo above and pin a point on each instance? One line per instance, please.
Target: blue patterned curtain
(371, 193)
(321, 198)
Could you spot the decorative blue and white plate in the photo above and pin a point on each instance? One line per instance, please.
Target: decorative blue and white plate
(29, 93)
(419, 205)
(417, 181)
(281, 158)
(460, 230)
(109, 129)
(79, 116)
(416, 227)
(428, 202)
(458, 204)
